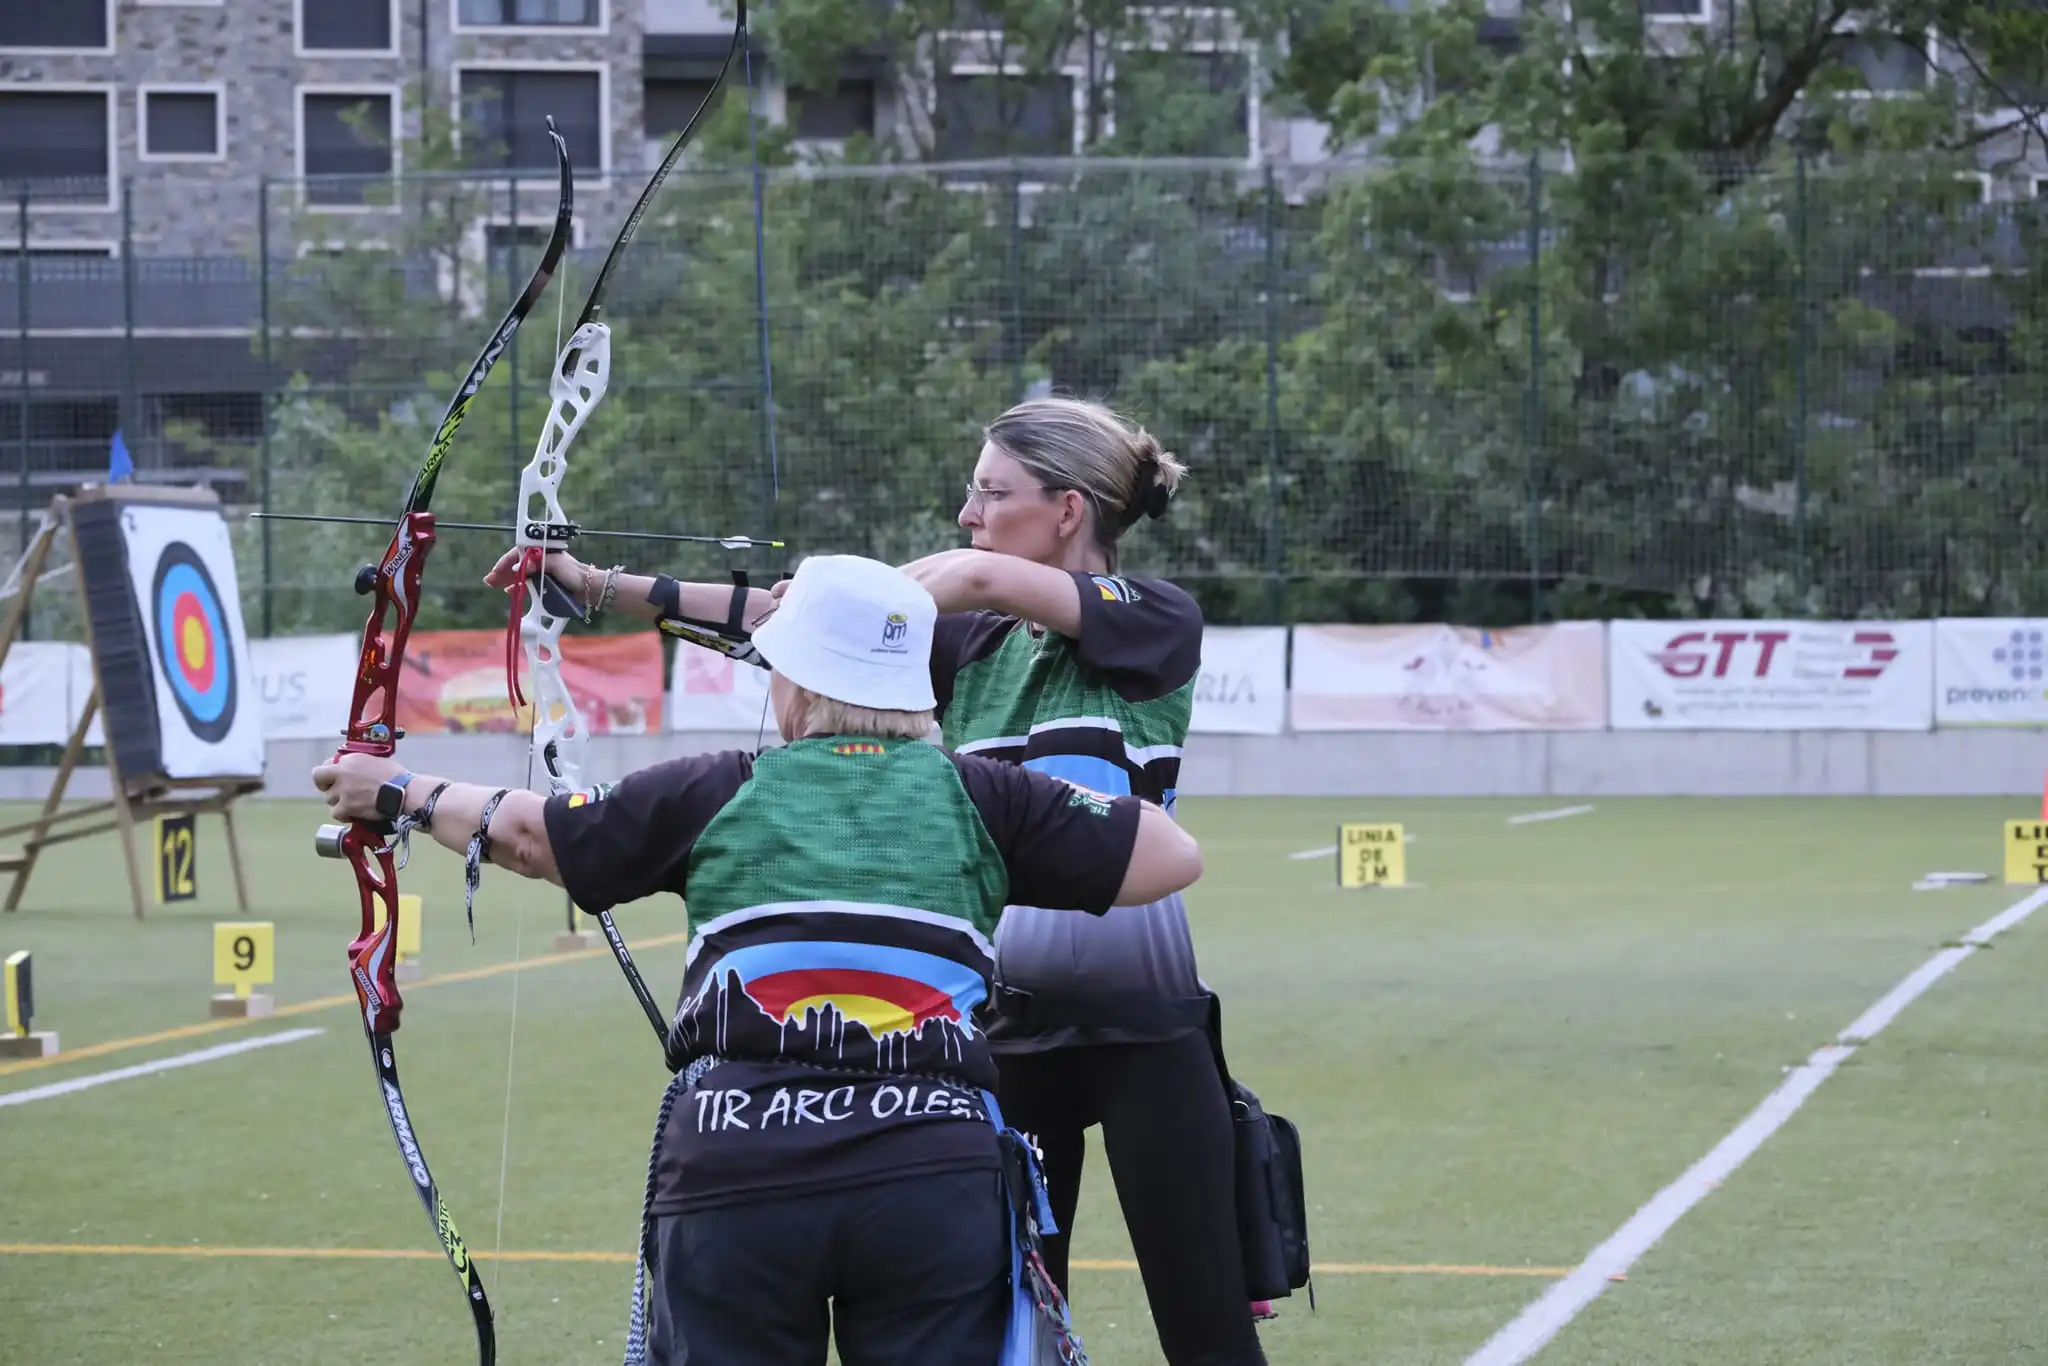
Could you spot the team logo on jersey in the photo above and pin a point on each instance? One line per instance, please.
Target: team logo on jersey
(895, 628)
(1113, 589)
(1087, 798)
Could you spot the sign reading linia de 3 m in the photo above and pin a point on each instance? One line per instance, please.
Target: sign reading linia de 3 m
(1771, 675)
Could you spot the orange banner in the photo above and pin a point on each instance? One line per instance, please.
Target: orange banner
(454, 683)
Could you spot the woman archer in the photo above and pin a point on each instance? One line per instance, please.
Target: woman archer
(1045, 656)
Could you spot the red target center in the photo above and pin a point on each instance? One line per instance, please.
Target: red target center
(192, 642)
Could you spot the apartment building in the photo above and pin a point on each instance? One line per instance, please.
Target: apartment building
(154, 126)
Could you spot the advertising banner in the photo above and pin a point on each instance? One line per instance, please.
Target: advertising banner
(1991, 671)
(712, 692)
(454, 683)
(1242, 689)
(1772, 675)
(39, 700)
(306, 684)
(1435, 677)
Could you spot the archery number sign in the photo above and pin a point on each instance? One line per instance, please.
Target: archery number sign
(1371, 856)
(244, 955)
(177, 858)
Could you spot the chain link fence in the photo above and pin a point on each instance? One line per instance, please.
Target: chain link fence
(1617, 385)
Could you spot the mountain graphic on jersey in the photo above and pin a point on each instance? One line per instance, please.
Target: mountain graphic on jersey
(840, 1004)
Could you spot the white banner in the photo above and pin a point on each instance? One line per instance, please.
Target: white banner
(1242, 689)
(1772, 675)
(39, 692)
(305, 684)
(711, 692)
(1434, 677)
(1991, 671)
(182, 567)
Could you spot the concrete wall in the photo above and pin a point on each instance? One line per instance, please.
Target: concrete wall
(1559, 764)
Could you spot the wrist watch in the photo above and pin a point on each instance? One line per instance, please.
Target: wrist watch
(391, 796)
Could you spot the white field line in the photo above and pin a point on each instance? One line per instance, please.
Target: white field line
(224, 1050)
(1531, 817)
(1557, 1307)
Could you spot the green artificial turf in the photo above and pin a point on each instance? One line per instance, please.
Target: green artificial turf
(1491, 1070)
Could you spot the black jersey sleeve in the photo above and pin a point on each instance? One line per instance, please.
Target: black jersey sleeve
(1143, 635)
(1065, 847)
(634, 838)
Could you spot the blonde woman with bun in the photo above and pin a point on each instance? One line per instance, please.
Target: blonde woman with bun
(1046, 656)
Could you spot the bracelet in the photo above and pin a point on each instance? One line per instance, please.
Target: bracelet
(479, 850)
(611, 589)
(425, 819)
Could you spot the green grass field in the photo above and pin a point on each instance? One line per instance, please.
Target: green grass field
(1492, 1072)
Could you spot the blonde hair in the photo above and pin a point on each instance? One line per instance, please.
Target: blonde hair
(829, 716)
(1071, 443)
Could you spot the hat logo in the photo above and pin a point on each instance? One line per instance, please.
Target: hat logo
(895, 629)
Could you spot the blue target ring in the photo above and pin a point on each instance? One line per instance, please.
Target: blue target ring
(193, 649)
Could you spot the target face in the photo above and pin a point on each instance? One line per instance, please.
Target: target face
(192, 646)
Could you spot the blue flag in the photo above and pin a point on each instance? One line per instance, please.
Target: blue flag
(119, 466)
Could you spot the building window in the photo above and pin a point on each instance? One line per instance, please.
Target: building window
(367, 26)
(981, 115)
(182, 125)
(346, 133)
(60, 143)
(529, 13)
(71, 251)
(842, 112)
(76, 25)
(1889, 64)
(1183, 104)
(505, 116)
(668, 103)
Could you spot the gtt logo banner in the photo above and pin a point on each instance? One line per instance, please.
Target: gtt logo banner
(1816, 655)
(1771, 675)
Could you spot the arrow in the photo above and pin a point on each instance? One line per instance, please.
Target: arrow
(729, 542)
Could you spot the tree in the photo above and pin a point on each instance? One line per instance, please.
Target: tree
(1669, 307)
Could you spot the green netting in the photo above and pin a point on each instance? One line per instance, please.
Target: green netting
(1624, 384)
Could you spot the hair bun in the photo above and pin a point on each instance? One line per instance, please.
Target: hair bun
(1149, 495)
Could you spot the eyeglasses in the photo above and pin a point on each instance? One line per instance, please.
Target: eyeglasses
(976, 494)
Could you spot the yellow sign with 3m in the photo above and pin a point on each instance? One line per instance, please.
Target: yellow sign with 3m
(1371, 855)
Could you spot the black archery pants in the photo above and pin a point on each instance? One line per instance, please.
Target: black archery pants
(914, 1270)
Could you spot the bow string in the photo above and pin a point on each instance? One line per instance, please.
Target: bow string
(540, 608)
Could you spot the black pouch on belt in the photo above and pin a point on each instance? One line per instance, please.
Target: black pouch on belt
(1272, 1202)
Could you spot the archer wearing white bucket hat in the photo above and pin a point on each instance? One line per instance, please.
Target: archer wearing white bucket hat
(830, 1158)
(856, 631)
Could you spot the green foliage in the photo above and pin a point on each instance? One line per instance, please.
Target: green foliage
(1615, 317)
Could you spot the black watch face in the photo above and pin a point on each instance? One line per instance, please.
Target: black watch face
(390, 798)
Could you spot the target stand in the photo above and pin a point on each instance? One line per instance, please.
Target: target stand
(197, 619)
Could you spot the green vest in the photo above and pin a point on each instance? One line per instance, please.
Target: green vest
(841, 907)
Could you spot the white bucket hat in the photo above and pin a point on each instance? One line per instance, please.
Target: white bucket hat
(855, 630)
